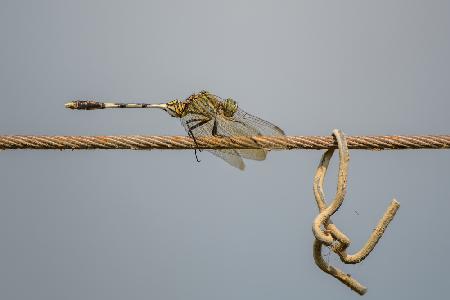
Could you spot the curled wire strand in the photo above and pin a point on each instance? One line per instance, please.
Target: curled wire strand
(327, 233)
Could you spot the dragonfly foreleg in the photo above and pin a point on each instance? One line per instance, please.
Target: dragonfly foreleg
(200, 123)
(195, 150)
(191, 129)
(191, 133)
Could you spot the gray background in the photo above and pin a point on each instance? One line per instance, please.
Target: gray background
(158, 225)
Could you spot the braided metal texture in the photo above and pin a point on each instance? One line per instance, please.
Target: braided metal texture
(139, 142)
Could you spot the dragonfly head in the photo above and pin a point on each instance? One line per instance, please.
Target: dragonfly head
(175, 108)
(230, 107)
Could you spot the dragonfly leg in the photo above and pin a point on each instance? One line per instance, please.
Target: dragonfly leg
(190, 129)
(195, 150)
(214, 129)
(196, 157)
(200, 123)
(193, 136)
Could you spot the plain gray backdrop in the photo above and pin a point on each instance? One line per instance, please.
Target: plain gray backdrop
(159, 225)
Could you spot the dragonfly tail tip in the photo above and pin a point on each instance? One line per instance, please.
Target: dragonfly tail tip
(70, 105)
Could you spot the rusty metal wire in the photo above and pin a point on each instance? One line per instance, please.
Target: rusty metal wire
(140, 142)
(327, 233)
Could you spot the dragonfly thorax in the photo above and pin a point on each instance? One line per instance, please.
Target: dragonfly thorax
(175, 108)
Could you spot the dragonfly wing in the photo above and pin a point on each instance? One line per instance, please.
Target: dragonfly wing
(231, 156)
(262, 126)
(227, 127)
(253, 154)
(256, 126)
(201, 125)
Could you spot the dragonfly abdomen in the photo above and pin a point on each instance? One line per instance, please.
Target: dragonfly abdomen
(90, 105)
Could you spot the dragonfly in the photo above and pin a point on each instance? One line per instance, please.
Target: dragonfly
(205, 114)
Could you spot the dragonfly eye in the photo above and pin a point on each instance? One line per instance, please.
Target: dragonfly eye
(230, 107)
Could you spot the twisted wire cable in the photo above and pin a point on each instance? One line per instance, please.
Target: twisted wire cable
(141, 142)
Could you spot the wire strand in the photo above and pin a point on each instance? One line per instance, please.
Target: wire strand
(140, 142)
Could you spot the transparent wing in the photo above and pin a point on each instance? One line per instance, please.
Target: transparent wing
(229, 127)
(231, 156)
(262, 126)
(241, 124)
(200, 125)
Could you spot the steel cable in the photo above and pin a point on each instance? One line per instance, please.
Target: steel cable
(141, 142)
